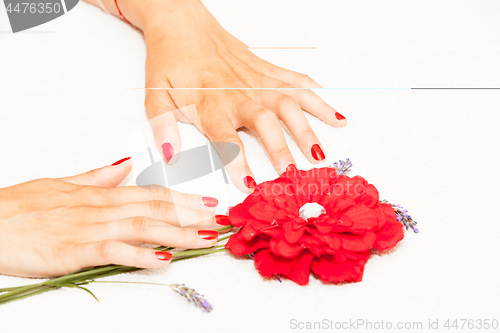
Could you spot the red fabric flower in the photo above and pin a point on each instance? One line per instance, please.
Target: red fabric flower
(334, 245)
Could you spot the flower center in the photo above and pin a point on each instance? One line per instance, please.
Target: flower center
(311, 209)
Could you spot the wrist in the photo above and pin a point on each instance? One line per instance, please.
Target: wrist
(148, 15)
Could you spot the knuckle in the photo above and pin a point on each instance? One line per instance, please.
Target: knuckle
(308, 133)
(180, 199)
(139, 224)
(221, 134)
(184, 234)
(281, 150)
(156, 193)
(159, 207)
(93, 173)
(286, 85)
(304, 79)
(106, 250)
(264, 115)
(306, 94)
(208, 104)
(286, 101)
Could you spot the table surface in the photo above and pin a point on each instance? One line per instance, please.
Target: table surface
(68, 105)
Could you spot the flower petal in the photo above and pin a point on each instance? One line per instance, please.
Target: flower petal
(269, 264)
(389, 236)
(333, 240)
(363, 218)
(292, 235)
(239, 246)
(358, 243)
(301, 269)
(328, 271)
(370, 197)
(282, 248)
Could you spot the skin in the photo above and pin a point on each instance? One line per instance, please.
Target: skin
(52, 227)
(188, 48)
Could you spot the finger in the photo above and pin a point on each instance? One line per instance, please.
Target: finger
(156, 210)
(313, 104)
(108, 176)
(142, 230)
(267, 125)
(289, 111)
(160, 109)
(94, 196)
(308, 100)
(118, 253)
(238, 169)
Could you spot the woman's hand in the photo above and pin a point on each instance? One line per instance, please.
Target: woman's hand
(193, 71)
(52, 227)
(187, 48)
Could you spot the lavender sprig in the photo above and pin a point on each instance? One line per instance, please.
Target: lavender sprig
(403, 216)
(343, 167)
(192, 296)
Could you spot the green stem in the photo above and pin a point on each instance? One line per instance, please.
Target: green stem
(196, 252)
(19, 290)
(88, 275)
(198, 255)
(27, 293)
(223, 238)
(224, 228)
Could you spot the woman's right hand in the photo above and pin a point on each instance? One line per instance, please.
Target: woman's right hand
(52, 227)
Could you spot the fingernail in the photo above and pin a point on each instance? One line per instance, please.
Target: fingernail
(121, 161)
(249, 182)
(210, 202)
(167, 150)
(222, 220)
(317, 153)
(291, 167)
(164, 256)
(208, 234)
(339, 116)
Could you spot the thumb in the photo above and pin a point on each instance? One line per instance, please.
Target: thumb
(108, 176)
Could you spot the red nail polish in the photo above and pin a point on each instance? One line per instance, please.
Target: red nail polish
(291, 167)
(339, 116)
(208, 234)
(168, 151)
(164, 256)
(317, 153)
(121, 161)
(249, 182)
(222, 220)
(210, 202)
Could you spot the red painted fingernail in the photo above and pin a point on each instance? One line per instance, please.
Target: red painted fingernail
(249, 182)
(222, 220)
(164, 256)
(210, 202)
(208, 234)
(339, 116)
(168, 151)
(291, 167)
(121, 161)
(317, 153)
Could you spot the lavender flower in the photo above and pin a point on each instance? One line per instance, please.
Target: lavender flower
(403, 216)
(192, 296)
(343, 167)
